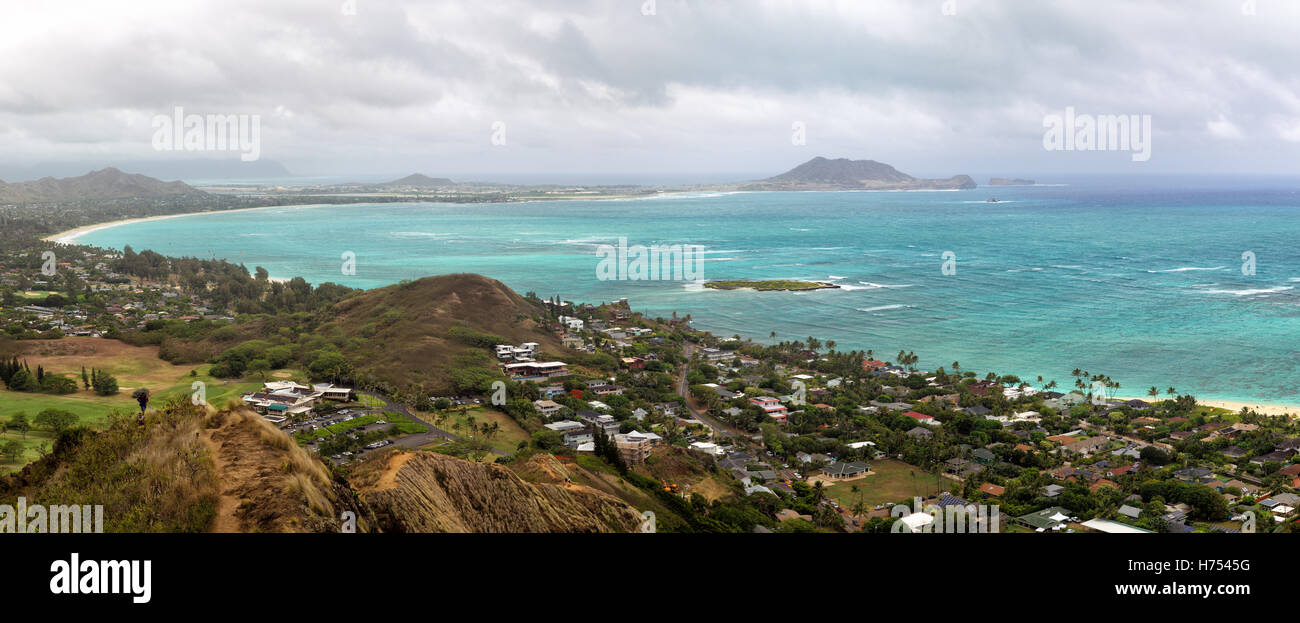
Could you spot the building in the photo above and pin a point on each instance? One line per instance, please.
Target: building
(532, 370)
(772, 407)
(922, 418)
(279, 400)
(841, 470)
(547, 408)
(1053, 518)
(635, 447)
(575, 434)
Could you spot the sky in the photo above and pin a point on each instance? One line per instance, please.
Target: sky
(671, 90)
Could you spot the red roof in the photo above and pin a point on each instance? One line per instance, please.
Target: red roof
(919, 416)
(992, 489)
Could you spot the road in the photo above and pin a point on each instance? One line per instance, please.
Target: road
(720, 429)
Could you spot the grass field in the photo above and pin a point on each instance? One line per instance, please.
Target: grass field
(133, 366)
(893, 481)
(507, 437)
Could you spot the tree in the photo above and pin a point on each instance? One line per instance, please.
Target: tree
(55, 420)
(23, 381)
(12, 449)
(20, 423)
(103, 383)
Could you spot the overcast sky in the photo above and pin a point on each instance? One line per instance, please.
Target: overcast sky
(702, 87)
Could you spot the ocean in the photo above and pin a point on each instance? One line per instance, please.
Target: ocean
(1140, 280)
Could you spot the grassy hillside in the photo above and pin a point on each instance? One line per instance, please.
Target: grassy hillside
(133, 366)
(403, 334)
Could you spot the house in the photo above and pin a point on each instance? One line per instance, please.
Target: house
(921, 417)
(532, 370)
(920, 432)
(1052, 491)
(978, 410)
(329, 391)
(983, 456)
(772, 407)
(547, 408)
(841, 470)
(1132, 512)
(1234, 452)
(1053, 518)
(1277, 456)
(575, 433)
(1087, 446)
(606, 423)
(1113, 527)
(708, 448)
(989, 488)
(1198, 475)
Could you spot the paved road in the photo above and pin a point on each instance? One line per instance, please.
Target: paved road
(719, 428)
(415, 441)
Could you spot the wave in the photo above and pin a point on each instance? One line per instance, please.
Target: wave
(883, 308)
(1186, 269)
(1251, 292)
(875, 286)
(417, 234)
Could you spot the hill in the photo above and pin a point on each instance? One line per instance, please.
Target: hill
(188, 470)
(107, 183)
(1002, 181)
(411, 333)
(844, 174)
(418, 180)
(428, 492)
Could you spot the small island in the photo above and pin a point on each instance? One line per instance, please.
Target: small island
(770, 285)
(1002, 181)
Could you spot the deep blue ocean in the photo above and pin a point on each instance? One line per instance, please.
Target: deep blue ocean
(1139, 280)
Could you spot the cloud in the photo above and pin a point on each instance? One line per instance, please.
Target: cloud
(596, 86)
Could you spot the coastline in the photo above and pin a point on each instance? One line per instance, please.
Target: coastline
(1263, 408)
(70, 236)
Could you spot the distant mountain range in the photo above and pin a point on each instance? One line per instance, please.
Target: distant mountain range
(418, 180)
(181, 169)
(107, 183)
(1002, 181)
(844, 174)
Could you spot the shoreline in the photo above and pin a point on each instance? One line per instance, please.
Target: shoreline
(70, 236)
(1263, 408)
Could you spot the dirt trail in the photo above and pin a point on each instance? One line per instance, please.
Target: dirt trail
(225, 521)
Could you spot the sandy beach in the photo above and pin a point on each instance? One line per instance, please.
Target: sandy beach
(71, 236)
(1265, 408)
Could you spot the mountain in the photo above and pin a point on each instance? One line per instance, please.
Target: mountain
(844, 174)
(411, 334)
(107, 183)
(1002, 181)
(418, 180)
(170, 169)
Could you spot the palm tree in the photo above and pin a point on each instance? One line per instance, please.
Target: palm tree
(1170, 391)
(1153, 392)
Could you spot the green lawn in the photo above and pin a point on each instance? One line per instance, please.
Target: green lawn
(507, 437)
(893, 481)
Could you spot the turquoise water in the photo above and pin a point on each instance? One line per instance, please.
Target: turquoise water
(1143, 283)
